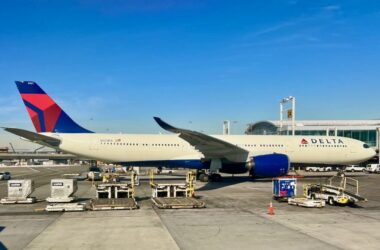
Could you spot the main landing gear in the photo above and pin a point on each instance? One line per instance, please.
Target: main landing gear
(205, 177)
(211, 174)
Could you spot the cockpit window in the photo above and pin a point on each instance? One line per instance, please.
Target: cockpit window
(365, 146)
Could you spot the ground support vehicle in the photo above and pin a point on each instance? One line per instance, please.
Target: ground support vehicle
(354, 168)
(115, 195)
(336, 192)
(94, 173)
(5, 176)
(306, 202)
(113, 204)
(175, 194)
(284, 188)
(373, 168)
(66, 207)
(318, 169)
(161, 170)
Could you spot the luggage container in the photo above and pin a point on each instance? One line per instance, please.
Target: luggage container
(19, 191)
(62, 190)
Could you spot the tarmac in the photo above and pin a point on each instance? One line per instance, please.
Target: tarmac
(235, 218)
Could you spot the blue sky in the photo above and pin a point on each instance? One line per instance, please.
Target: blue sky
(113, 65)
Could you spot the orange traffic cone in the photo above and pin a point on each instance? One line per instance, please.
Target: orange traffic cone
(270, 209)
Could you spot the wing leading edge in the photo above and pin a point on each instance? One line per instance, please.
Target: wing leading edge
(209, 146)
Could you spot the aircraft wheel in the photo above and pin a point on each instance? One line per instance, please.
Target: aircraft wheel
(203, 177)
(331, 201)
(216, 178)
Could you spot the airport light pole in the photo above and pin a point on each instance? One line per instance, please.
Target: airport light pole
(281, 111)
(291, 112)
(227, 127)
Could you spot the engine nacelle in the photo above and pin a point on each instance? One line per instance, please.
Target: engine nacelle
(270, 165)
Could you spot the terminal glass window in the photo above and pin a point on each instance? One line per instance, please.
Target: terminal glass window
(364, 135)
(316, 132)
(372, 138)
(311, 132)
(356, 135)
(348, 133)
(367, 136)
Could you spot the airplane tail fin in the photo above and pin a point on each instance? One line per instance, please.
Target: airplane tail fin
(45, 114)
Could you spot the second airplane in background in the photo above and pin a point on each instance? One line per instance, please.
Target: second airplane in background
(260, 156)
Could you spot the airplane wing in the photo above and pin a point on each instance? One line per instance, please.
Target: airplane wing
(209, 146)
(35, 137)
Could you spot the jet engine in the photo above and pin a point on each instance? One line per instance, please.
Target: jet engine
(270, 165)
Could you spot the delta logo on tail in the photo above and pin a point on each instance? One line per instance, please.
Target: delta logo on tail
(46, 115)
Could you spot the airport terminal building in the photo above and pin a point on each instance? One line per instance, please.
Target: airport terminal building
(364, 130)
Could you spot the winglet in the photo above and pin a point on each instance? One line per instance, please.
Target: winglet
(165, 125)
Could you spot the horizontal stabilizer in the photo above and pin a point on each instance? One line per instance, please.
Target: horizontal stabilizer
(35, 137)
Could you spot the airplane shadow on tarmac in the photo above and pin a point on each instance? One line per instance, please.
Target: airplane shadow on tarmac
(229, 181)
(1, 243)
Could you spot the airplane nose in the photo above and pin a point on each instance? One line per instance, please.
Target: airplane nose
(373, 153)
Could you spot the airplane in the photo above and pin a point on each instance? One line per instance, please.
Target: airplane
(261, 156)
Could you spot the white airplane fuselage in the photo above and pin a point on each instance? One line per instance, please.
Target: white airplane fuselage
(262, 156)
(140, 149)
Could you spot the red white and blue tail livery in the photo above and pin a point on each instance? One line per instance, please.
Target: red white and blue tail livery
(46, 115)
